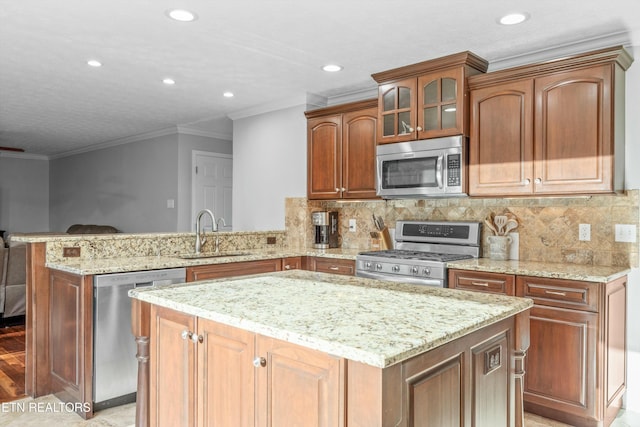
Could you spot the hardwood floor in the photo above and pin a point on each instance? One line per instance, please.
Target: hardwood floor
(12, 356)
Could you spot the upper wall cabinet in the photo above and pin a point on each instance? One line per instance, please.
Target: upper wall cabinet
(426, 100)
(341, 151)
(550, 128)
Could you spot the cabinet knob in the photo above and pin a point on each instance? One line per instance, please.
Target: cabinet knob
(186, 334)
(411, 130)
(527, 181)
(419, 128)
(538, 181)
(343, 189)
(259, 362)
(337, 189)
(197, 338)
(287, 267)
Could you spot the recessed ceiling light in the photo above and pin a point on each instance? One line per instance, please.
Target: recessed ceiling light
(94, 63)
(332, 68)
(514, 18)
(228, 94)
(168, 81)
(181, 15)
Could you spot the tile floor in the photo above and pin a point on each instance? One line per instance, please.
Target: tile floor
(44, 410)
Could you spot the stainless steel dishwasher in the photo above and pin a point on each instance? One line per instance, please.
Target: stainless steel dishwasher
(115, 367)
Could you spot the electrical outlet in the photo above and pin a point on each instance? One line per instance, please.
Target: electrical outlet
(584, 232)
(626, 233)
(72, 252)
(352, 225)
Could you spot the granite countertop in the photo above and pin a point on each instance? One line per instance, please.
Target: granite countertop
(369, 321)
(587, 273)
(120, 265)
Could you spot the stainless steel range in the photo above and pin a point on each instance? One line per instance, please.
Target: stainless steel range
(422, 250)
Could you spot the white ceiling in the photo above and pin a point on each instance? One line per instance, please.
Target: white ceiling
(266, 52)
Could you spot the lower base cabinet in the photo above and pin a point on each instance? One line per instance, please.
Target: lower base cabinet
(207, 374)
(202, 373)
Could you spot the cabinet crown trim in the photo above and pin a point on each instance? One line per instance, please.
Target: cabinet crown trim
(617, 55)
(342, 108)
(457, 59)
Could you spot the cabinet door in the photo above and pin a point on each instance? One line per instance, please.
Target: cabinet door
(561, 362)
(172, 368)
(216, 271)
(441, 104)
(573, 131)
(226, 375)
(298, 386)
(501, 140)
(292, 263)
(324, 157)
(397, 111)
(359, 154)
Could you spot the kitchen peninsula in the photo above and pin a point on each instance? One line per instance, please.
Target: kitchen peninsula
(319, 349)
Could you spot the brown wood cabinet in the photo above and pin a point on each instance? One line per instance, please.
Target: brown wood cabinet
(71, 339)
(550, 128)
(426, 100)
(208, 374)
(345, 267)
(292, 263)
(482, 281)
(204, 373)
(341, 151)
(217, 271)
(576, 366)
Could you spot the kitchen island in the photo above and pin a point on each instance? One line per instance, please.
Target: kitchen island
(307, 348)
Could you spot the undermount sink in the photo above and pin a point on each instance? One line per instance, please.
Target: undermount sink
(212, 255)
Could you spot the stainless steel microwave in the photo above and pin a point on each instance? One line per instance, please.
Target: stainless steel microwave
(421, 169)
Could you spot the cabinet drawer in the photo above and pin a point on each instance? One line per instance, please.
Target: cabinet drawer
(559, 293)
(216, 271)
(292, 263)
(482, 281)
(335, 266)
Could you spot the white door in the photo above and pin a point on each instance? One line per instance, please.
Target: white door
(212, 177)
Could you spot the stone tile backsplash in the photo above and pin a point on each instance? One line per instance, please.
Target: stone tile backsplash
(548, 230)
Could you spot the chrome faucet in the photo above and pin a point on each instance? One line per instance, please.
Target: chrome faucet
(201, 238)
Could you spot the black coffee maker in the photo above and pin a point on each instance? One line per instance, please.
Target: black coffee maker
(325, 225)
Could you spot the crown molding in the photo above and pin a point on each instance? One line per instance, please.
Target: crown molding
(22, 155)
(355, 95)
(559, 51)
(207, 134)
(309, 100)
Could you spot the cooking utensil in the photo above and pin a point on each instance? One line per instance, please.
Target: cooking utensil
(512, 224)
(500, 221)
(490, 225)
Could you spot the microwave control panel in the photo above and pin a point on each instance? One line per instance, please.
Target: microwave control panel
(453, 170)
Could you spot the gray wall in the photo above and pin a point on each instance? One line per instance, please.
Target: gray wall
(24, 194)
(269, 164)
(126, 186)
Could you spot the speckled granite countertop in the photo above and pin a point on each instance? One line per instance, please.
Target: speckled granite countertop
(587, 273)
(120, 265)
(369, 321)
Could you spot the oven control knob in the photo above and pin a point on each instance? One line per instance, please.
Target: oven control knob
(378, 266)
(426, 271)
(415, 270)
(395, 268)
(367, 265)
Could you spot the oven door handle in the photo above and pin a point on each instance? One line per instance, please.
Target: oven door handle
(400, 279)
(439, 171)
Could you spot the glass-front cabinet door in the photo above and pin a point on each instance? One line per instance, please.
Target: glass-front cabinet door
(440, 104)
(397, 111)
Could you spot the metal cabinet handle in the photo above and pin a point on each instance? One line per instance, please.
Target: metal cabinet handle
(527, 181)
(196, 338)
(334, 268)
(259, 362)
(480, 284)
(419, 128)
(343, 189)
(287, 267)
(562, 294)
(538, 181)
(186, 334)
